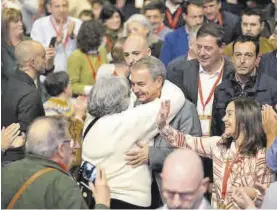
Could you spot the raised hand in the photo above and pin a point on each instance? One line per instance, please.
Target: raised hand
(101, 190)
(50, 56)
(269, 120)
(10, 137)
(241, 198)
(81, 106)
(163, 114)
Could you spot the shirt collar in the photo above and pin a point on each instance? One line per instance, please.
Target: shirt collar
(172, 8)
(251, 78)
(202, 71)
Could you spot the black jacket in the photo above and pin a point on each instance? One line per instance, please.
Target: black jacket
(21, 103)
(231, 26)
(185, 73)
(268, 64)
(260, 88)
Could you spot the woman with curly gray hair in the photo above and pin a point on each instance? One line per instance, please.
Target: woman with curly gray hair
(138, 24)
(84, 62)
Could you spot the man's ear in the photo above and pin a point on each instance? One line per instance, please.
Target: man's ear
(159, 81)
(219, 5)
(149, 52)
(163, 16)
(184, 16)
(262, 26)
(205, 184)
(222, 48)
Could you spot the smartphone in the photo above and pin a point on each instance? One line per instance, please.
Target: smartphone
(88, 171)
(53, 41)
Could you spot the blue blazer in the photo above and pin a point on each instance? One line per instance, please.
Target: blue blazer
(175, 45)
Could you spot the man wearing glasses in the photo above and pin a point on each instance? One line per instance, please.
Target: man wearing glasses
(41, 180)
(184, 185)
(246, 81)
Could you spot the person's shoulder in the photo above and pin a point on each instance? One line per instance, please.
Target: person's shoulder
(230, 16)
(179, 61)
(42, 20)
(269, 55)
(264, 40)
(175, 33)
(77, 53)
(76, 20)
(267, 80)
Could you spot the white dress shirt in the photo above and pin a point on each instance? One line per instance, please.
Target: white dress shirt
(207, 82)
(43, 31)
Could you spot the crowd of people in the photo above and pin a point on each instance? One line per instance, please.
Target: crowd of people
(139, 104)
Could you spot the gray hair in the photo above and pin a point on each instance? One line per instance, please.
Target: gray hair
(145, 23)
(108, 96)
(155, 67)
(46, 134)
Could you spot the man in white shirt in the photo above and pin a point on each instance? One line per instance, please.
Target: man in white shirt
(184, 185)
(59, 25)
(198, 78)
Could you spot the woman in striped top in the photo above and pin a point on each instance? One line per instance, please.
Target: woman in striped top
(238, 156)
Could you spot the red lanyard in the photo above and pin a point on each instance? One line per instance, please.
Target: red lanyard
(58, 33)
(108, 44)
(91, 66)
(212, 91)
(226, 176)
(160, 29)
(219, 19)
(173, 22)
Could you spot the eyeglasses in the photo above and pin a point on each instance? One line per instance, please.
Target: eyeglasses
(71, 142)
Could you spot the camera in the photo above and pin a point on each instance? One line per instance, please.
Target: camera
(88, 171)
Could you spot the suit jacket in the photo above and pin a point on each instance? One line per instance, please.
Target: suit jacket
(231, 26)
(21, 103)
(186, 121)
(175, 45)
(185, 74)
(268, 64)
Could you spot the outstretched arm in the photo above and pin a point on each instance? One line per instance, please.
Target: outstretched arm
(202, 145)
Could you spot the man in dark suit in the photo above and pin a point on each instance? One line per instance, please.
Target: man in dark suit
(198, 78)
(21, 102)
(177, 42)
(230, 22)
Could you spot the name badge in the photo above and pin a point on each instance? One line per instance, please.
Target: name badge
(205, 121)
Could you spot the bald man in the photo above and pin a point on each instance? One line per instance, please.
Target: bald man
(183, 181)
(135, 48)
(49, 147)
(21, 102)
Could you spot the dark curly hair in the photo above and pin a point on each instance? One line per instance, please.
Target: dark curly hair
(90, 35)
(55, 83)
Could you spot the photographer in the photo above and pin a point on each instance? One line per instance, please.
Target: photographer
(44, 172)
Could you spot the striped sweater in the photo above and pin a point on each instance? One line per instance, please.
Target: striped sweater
(246, 170)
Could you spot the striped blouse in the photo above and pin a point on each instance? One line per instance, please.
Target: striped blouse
(246, 170)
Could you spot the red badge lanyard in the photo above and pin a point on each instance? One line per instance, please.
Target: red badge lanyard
(109, 44)
(226, 176)
(158, 31)
(173, 22)
(212, 91)
(58, 33)
(91, 66)
(219, 19)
